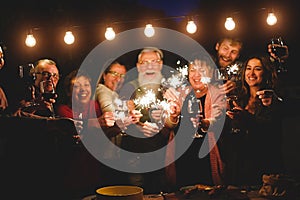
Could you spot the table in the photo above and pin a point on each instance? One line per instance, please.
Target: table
(253, 195)
(30, 155)
(31, 161)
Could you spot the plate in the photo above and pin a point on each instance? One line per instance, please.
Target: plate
(194, 188)
(153, 197)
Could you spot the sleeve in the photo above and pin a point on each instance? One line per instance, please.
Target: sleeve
(64, 111)
(105, 97)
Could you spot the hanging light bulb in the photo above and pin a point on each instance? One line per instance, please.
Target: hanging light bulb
(69, 38)
(191, 27)
(30, 40)
(229, 23)
(110, 33)
(271, 19)
(149, 30)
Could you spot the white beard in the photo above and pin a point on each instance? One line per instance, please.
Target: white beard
(155, 80)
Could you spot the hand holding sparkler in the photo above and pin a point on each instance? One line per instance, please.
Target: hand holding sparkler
(229, 76)
(135, 116)
(149, 129)
(121, 114)
(107, 119)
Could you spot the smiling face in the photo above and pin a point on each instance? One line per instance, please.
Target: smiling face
(198, 71)
(114, 78)
(227, 52)
(81, 90)
(46, 70)
(149, 67)
(254, 73)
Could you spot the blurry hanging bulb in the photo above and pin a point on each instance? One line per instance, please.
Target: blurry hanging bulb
(69, 38)
(30, 40)
(229, 24)
(149, 30)
(191, 27)
(271, 19)
(110, 33)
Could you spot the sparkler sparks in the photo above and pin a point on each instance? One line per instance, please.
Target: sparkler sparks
(179, 79)
(146, 100)
(234, 69)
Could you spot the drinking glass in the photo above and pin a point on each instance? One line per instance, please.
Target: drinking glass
(195, 110)
(121, 114)
(230, 99)
(47, 89)
(160, 115)
(221, 76)
(278, 48)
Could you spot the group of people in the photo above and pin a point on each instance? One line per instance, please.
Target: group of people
(217, 156)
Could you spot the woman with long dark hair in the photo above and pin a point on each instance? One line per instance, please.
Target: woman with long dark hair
(256, 147)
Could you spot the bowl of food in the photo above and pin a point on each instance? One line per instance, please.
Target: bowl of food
(120, 192)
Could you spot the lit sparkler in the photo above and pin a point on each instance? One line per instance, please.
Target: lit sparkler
(178, 79)
(146, 100)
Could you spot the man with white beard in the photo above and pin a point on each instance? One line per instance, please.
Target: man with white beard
(149, 67)
(146, 136)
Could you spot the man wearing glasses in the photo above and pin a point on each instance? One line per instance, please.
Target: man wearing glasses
(33, 101)
(145, 136)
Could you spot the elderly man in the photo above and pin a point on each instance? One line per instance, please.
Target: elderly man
(33, 102)
(146, 136)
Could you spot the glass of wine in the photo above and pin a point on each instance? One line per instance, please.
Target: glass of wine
(121, 114)
(234, 123)
(47, 89)
(221, 76)
(158, 115)
(278, 48)
(195, 110)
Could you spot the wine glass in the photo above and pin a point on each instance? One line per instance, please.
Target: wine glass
(121, 114)
(47, 89)
(221, 76)
(230, 99)
(195, 109)
(278, 48)
(159, 114)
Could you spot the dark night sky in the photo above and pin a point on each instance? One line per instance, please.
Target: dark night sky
(88, 19)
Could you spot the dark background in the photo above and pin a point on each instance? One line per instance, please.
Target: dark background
(88, 19)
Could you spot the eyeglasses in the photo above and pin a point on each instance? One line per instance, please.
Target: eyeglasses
(116, 74)
(148, 62)
(48, 75)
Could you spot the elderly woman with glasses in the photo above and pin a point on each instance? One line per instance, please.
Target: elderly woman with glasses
(109, 83)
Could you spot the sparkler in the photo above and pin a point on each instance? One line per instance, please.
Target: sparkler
(121, 109)
(232, 71)
(176, 80)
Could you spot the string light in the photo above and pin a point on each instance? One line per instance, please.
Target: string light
(30, 40)
(69, 38)
(149, 30)
(271, 19)
(191, 27)
(229, 24)
(110, 33)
